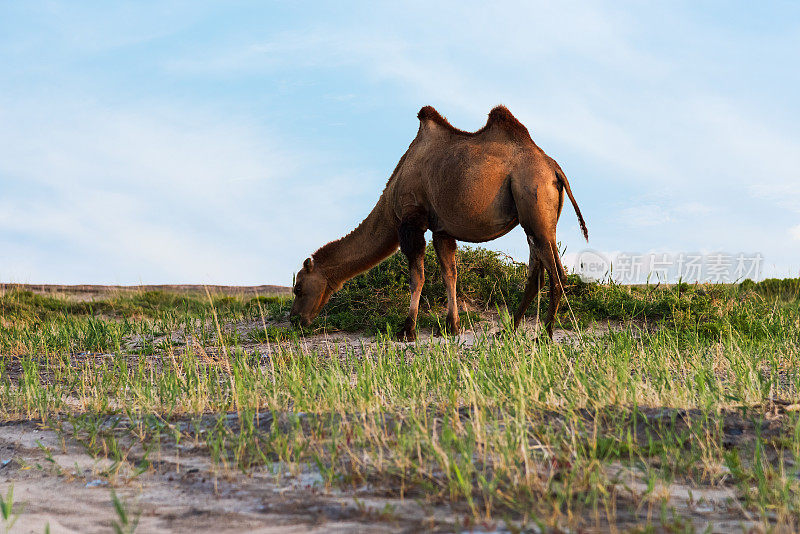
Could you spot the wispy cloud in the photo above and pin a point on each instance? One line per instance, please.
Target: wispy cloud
(758, 159)
(154, 194)
(158, 143)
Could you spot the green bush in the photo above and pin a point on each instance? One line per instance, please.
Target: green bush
(378, 299)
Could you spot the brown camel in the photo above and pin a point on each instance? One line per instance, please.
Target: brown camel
(462, 186)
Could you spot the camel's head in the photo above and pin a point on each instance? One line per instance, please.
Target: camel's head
(311, 292)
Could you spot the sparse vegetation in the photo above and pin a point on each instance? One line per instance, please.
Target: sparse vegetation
(377, 301)
(694, 386)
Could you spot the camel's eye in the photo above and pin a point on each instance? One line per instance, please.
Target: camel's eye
(297, 291)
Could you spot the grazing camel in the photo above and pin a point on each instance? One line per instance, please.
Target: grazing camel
(462, 186)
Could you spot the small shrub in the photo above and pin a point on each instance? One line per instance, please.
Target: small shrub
(378, 299)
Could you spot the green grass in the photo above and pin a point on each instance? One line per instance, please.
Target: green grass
(377, 301)
(695, 387)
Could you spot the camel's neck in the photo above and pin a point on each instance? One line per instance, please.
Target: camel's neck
(366, 246)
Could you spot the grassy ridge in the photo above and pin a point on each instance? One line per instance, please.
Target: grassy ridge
(32, 323)
(378, 300)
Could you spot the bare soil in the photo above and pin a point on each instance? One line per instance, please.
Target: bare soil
(58, 483)
(183, 491)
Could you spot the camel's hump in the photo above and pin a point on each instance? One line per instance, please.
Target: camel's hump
(429, 113)
(499, 117)
(503, 118)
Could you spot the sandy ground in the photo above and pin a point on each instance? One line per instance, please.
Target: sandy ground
(57, 483)
(184, 491)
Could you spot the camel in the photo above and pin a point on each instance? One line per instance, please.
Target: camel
(462, 186)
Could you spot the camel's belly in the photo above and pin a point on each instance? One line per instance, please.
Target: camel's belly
(473, 213)
(476, 233)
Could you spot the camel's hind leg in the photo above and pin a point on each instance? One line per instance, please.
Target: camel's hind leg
(538, 209)
(412, 244)
(446, 252)
(557, 278)
(533, 285)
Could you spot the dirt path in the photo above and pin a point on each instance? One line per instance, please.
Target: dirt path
(184, 491)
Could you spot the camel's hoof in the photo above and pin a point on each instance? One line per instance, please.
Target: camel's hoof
(453, 328)
(408, 332)
(406, 335)
(449, 329)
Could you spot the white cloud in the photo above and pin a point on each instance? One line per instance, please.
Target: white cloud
(666, 211)
(694, 208)
(424, 67)
(795, 232)
(150, 148)
(665, 132)
(157, 195)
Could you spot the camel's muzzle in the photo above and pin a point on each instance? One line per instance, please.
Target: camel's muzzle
(299, 320)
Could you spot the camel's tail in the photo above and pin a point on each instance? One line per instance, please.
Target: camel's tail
(563, 179)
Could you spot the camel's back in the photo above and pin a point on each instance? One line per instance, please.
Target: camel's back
(454, 162)
(459, 178)
(500, 120)
(442, 152)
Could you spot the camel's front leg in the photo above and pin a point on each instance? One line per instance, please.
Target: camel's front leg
(446, 252)
(412, 244)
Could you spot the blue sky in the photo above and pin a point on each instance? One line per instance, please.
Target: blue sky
(223, 142)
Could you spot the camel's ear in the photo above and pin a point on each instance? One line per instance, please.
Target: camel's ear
(308, 265)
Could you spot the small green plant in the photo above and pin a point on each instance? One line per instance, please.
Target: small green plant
(124, 524)
(7, 509)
